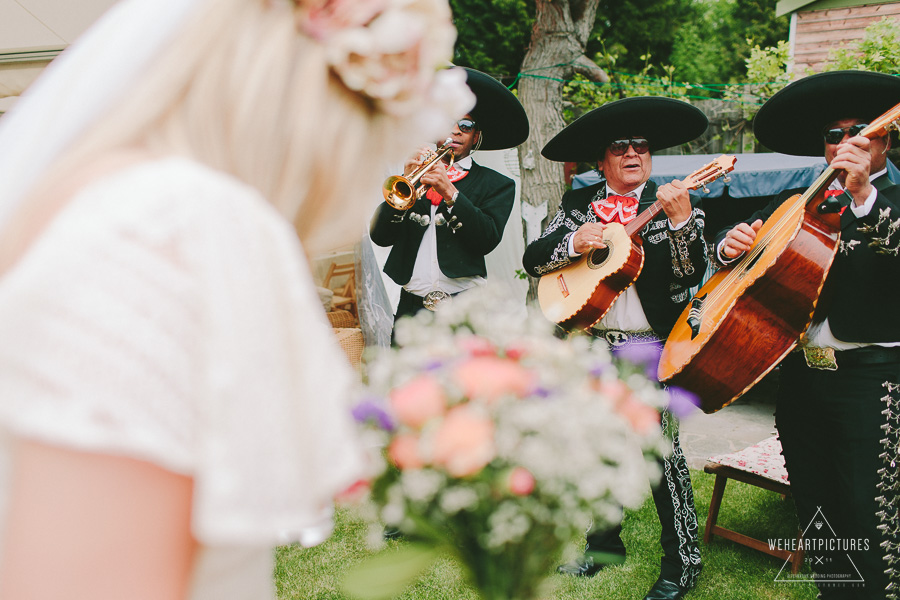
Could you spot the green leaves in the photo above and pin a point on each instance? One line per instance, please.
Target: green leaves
(387, 574)
(878, 51)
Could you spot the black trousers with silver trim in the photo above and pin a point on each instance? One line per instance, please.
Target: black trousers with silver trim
(839, 436)
(673, 497)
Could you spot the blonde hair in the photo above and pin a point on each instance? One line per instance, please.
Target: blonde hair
(239, 89)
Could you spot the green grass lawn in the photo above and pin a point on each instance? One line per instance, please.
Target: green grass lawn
(730, 571)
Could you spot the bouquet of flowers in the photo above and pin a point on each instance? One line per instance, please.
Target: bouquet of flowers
(502, 442)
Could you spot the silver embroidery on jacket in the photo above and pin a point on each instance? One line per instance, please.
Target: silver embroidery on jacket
(847, 246)
(680, 243)
(888, 483)
(883, 244)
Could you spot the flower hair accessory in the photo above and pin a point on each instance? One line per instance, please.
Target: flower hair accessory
(391, 51)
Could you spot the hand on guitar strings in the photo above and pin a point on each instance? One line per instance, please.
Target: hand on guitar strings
(589, 235)
(740, 239)
(676, 202)
(854, 159)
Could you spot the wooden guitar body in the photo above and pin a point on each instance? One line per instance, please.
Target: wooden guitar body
(578, 295)
(749, 315)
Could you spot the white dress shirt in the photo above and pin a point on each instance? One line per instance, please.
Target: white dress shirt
(427, 275)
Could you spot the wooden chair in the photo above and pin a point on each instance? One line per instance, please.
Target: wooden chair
(763, 466)
(344, 294)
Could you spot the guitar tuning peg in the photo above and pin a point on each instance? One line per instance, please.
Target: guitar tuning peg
(705, 189)
(727, 179)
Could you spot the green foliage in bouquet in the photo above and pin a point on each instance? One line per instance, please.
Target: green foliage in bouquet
(499, 442)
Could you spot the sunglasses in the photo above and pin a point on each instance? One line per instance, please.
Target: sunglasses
(834, 136)
(466, 125)
(620, 147)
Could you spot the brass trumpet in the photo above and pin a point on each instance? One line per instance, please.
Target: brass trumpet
(402, 192)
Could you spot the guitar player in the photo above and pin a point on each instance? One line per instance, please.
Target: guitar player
(619, 136)
(838, 404)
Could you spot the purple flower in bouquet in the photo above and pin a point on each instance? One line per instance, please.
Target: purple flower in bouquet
(646, 355)
(682, 403)
(369, 410)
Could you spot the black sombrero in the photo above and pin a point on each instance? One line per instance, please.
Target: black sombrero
(497, 113)
(665, 122)
(792, 120)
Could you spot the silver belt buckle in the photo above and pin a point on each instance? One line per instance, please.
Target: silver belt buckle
(433, 300)
(616, 338)
(820, 358)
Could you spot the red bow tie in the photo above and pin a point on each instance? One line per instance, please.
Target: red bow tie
(616, 208)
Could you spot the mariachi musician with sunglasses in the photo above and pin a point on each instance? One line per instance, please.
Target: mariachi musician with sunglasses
(619, 136)
(439, 244)
(838, 401)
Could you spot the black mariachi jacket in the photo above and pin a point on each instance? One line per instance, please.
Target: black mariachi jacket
(674, 261)
(863, 284)
(479, 216)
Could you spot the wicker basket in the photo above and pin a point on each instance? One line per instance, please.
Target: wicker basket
(342, 318)
(352, 342)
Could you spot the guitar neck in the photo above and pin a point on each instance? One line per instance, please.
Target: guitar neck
(889, 121)
(822, 181)
(642, 219)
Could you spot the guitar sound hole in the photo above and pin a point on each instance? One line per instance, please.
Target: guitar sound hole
(599, 256)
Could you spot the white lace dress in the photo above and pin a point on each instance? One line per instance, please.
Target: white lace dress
(167, 314)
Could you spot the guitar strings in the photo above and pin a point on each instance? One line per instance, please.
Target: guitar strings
(750, 257)
(824, 179)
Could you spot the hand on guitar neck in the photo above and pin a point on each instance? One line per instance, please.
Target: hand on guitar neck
(854, 159)
(740, 239)
(675, 201)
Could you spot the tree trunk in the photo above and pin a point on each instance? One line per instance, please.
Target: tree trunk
(556, 53)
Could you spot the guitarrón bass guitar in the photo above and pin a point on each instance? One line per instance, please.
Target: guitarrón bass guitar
(578, 295)
(750, 314)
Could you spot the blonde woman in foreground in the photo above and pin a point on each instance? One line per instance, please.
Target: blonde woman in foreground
(172, 401)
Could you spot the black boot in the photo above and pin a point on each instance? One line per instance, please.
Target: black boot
(664, 589)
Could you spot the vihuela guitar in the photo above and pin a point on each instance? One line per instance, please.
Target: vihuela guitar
(578, 295)
(750, 314)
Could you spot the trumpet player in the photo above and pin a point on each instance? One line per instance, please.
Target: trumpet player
(454, 211)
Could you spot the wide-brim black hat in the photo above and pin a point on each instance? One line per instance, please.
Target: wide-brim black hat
(497, 113)
(791, 121)
(665, 122)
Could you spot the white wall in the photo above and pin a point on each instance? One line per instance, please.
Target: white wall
(32, 32)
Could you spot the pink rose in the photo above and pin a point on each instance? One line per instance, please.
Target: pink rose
(354, 494)
(521, 481)
(476, 346)
(516, 350)
(418, 401)
(615, 389)
(464, 443)
(643, 419)
(490, 377)
(404, 452)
